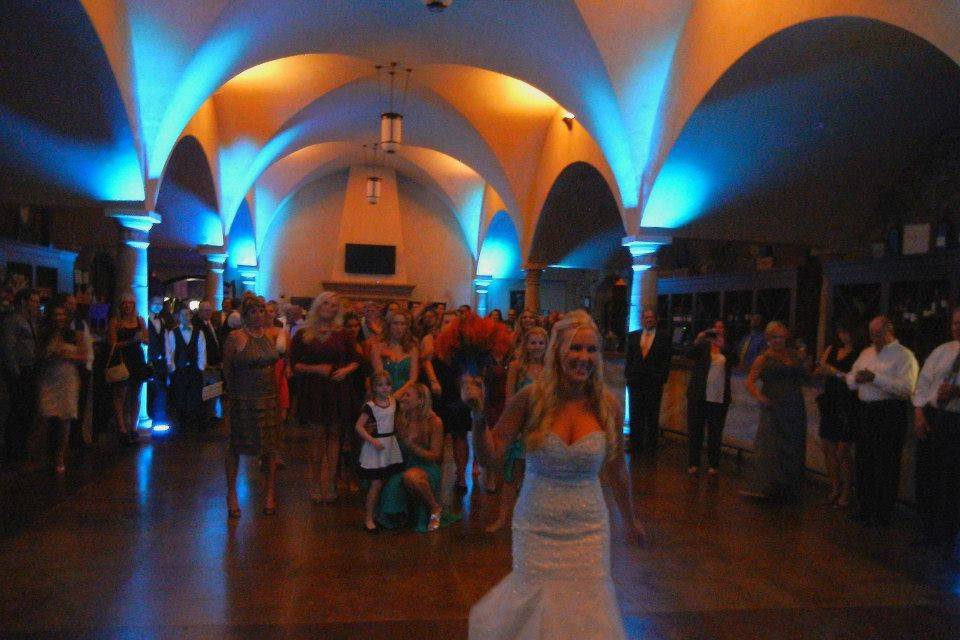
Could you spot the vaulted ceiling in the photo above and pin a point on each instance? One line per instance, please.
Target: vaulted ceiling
(685, 110)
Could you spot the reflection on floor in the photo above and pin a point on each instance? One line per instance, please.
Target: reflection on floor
(139, 546)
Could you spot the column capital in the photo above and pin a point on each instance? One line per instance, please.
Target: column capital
(534, 266)
(216, 255)
(135, 227)
(481, 284)
(136, 220)
(646, 243)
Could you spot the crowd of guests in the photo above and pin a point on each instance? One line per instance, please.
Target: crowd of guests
(367, 384)
(869, 394)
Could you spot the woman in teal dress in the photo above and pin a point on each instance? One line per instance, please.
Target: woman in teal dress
(416, 491)
(396, 352)
(524, 370)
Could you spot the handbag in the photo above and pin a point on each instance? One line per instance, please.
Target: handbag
(118, 372)
(211, 391)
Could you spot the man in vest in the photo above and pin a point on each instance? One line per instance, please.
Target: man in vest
(186, 350)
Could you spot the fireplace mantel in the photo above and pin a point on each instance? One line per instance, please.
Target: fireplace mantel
(360, 290)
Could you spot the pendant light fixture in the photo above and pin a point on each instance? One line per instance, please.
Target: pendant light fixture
(373, 189)
(374, 181)
(391, 120)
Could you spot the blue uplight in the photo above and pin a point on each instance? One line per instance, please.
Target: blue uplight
(500, 253)
(107, 172)
(241, 246)
(161, 428)
(678, 196)
(158, 55)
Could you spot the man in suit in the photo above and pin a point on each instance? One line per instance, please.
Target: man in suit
(159, 321)
(21, 358)
(647, 367)
(214, 358)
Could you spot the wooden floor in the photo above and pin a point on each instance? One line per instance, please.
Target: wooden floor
(137, 545)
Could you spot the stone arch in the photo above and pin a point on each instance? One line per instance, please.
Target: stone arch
(580, 220)
(187, 200)
(65, 136)
(715, 36)
(857, 100)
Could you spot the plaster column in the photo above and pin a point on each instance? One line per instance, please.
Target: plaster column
(248, 277)
(216, 258)
(643, 284)
(481, 286)
(531, 296)
(133, 273)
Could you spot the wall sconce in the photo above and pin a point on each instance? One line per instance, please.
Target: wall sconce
(568, 119)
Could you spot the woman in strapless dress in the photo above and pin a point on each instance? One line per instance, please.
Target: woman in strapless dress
(571, 426)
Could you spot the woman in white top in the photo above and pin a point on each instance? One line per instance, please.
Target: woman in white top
(59, 380)
(708, 396)
(572, 427)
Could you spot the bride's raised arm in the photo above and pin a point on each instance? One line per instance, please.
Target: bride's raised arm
(616, 477)
(491, 444)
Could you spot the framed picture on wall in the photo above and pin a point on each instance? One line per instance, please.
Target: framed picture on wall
(916, 239)
(517, 299)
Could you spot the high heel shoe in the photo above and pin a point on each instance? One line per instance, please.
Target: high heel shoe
(434, 523)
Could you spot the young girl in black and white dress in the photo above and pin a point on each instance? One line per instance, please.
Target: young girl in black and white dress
(380, 455)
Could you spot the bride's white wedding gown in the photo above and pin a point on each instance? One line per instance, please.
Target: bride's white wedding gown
(560, 586)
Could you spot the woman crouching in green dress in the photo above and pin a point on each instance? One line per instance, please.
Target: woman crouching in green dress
(416, 491)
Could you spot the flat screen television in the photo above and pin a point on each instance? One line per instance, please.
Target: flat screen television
(377, 259)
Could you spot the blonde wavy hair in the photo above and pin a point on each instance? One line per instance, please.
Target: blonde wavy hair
(522, 355)
(546, 393)
(313, 316)
(424, 401)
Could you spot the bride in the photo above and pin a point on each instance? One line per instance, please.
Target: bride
(560, 586)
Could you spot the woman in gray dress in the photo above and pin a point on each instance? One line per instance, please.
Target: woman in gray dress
(249, 360)
(780, 444)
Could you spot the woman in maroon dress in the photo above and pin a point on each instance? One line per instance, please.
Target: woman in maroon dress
(323, 356)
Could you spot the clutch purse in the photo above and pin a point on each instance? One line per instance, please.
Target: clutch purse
(118, 372)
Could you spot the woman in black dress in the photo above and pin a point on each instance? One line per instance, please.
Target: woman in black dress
(451, 409)
(837, 404)
(127, 333)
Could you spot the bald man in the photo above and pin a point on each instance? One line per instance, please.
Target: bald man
(936, 402)
(883, 377)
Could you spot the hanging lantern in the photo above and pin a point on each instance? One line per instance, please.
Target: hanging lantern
(391, 120)
(373, 189)
(391, 131)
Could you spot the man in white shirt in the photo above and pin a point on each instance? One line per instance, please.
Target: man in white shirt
(186, 352)
(936, 404)
(883, 377)
(212, 373)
